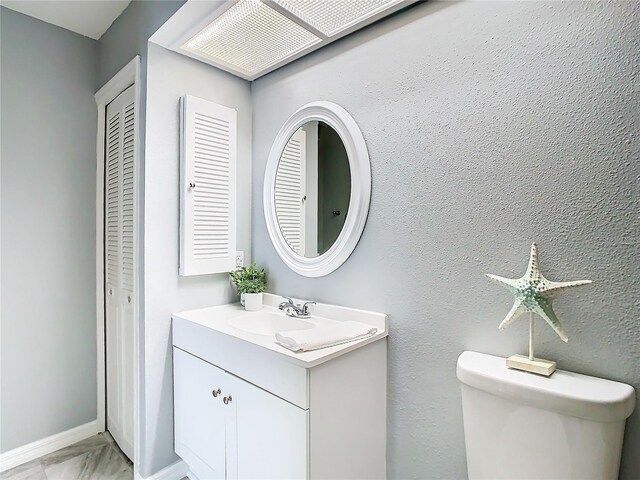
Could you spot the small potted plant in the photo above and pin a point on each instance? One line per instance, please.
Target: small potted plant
(250, 283)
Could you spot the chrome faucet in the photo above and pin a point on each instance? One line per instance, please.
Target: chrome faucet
(293, 310)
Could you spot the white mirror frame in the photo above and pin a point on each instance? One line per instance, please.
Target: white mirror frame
(339, 119)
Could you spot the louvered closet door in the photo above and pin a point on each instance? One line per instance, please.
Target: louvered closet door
(208, 187)
(119, 248)
(290, 191)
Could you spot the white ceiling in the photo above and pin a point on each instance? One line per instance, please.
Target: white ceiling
(90, 18)
(250, 38)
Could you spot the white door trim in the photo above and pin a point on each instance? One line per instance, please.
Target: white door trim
(129, 75)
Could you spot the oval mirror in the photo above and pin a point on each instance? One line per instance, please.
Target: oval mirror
(317, 189)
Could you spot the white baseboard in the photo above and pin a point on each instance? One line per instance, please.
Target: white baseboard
(175, 471)
(36, 449)
(192, 476)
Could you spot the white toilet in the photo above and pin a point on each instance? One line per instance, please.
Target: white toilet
(520, 425)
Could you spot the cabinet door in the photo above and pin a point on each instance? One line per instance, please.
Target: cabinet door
(208, 156)
(290, 191)
(199, 417)
(271, 435)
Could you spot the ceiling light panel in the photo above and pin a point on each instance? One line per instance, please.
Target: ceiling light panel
(333, 16)
(250, 37)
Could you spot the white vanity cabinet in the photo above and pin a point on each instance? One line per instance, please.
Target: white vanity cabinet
(200, 421)
(245, 408)
(227, 428)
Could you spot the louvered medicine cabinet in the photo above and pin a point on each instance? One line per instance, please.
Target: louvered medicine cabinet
(208, 156)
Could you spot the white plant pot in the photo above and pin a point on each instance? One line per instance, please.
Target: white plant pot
(252, 302)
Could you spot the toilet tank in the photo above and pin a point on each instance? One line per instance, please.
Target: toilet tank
(519, 425)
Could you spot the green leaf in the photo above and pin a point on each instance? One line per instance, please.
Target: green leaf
(249, 279)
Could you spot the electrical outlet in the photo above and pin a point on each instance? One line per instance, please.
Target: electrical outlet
(239, 259)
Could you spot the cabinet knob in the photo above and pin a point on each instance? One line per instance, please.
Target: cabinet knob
(227, 400)
(215, 393)
(192, 185)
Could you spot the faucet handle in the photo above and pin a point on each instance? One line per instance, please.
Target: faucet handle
(284, 304)
(305, 307)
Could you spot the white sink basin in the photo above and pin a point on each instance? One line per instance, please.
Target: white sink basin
(226, 325)
(265, 323)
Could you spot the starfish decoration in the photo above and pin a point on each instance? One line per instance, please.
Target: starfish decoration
(534, 293)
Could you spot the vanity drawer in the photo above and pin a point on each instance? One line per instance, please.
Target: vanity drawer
(245, 360)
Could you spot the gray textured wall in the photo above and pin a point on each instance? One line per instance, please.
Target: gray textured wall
(48, 349)
(489, 125)
(129, 33)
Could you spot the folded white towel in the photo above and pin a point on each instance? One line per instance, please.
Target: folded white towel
(324, 336)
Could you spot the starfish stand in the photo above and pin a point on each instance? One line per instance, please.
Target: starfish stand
(534, 294)
(530, 363)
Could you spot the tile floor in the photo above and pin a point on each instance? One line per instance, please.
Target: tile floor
(96, 458)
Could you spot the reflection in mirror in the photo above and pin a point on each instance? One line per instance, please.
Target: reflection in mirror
(312, 189)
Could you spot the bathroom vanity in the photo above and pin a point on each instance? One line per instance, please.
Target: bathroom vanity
(246, 407)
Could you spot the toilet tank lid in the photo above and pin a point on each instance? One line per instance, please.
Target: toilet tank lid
(564, 392)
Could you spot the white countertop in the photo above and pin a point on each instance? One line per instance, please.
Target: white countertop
(217, 318)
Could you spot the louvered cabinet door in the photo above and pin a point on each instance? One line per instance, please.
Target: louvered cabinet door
(119, 265)
(208, 187)
(290, 191)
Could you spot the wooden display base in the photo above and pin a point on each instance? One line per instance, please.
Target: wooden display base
(537, 365)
